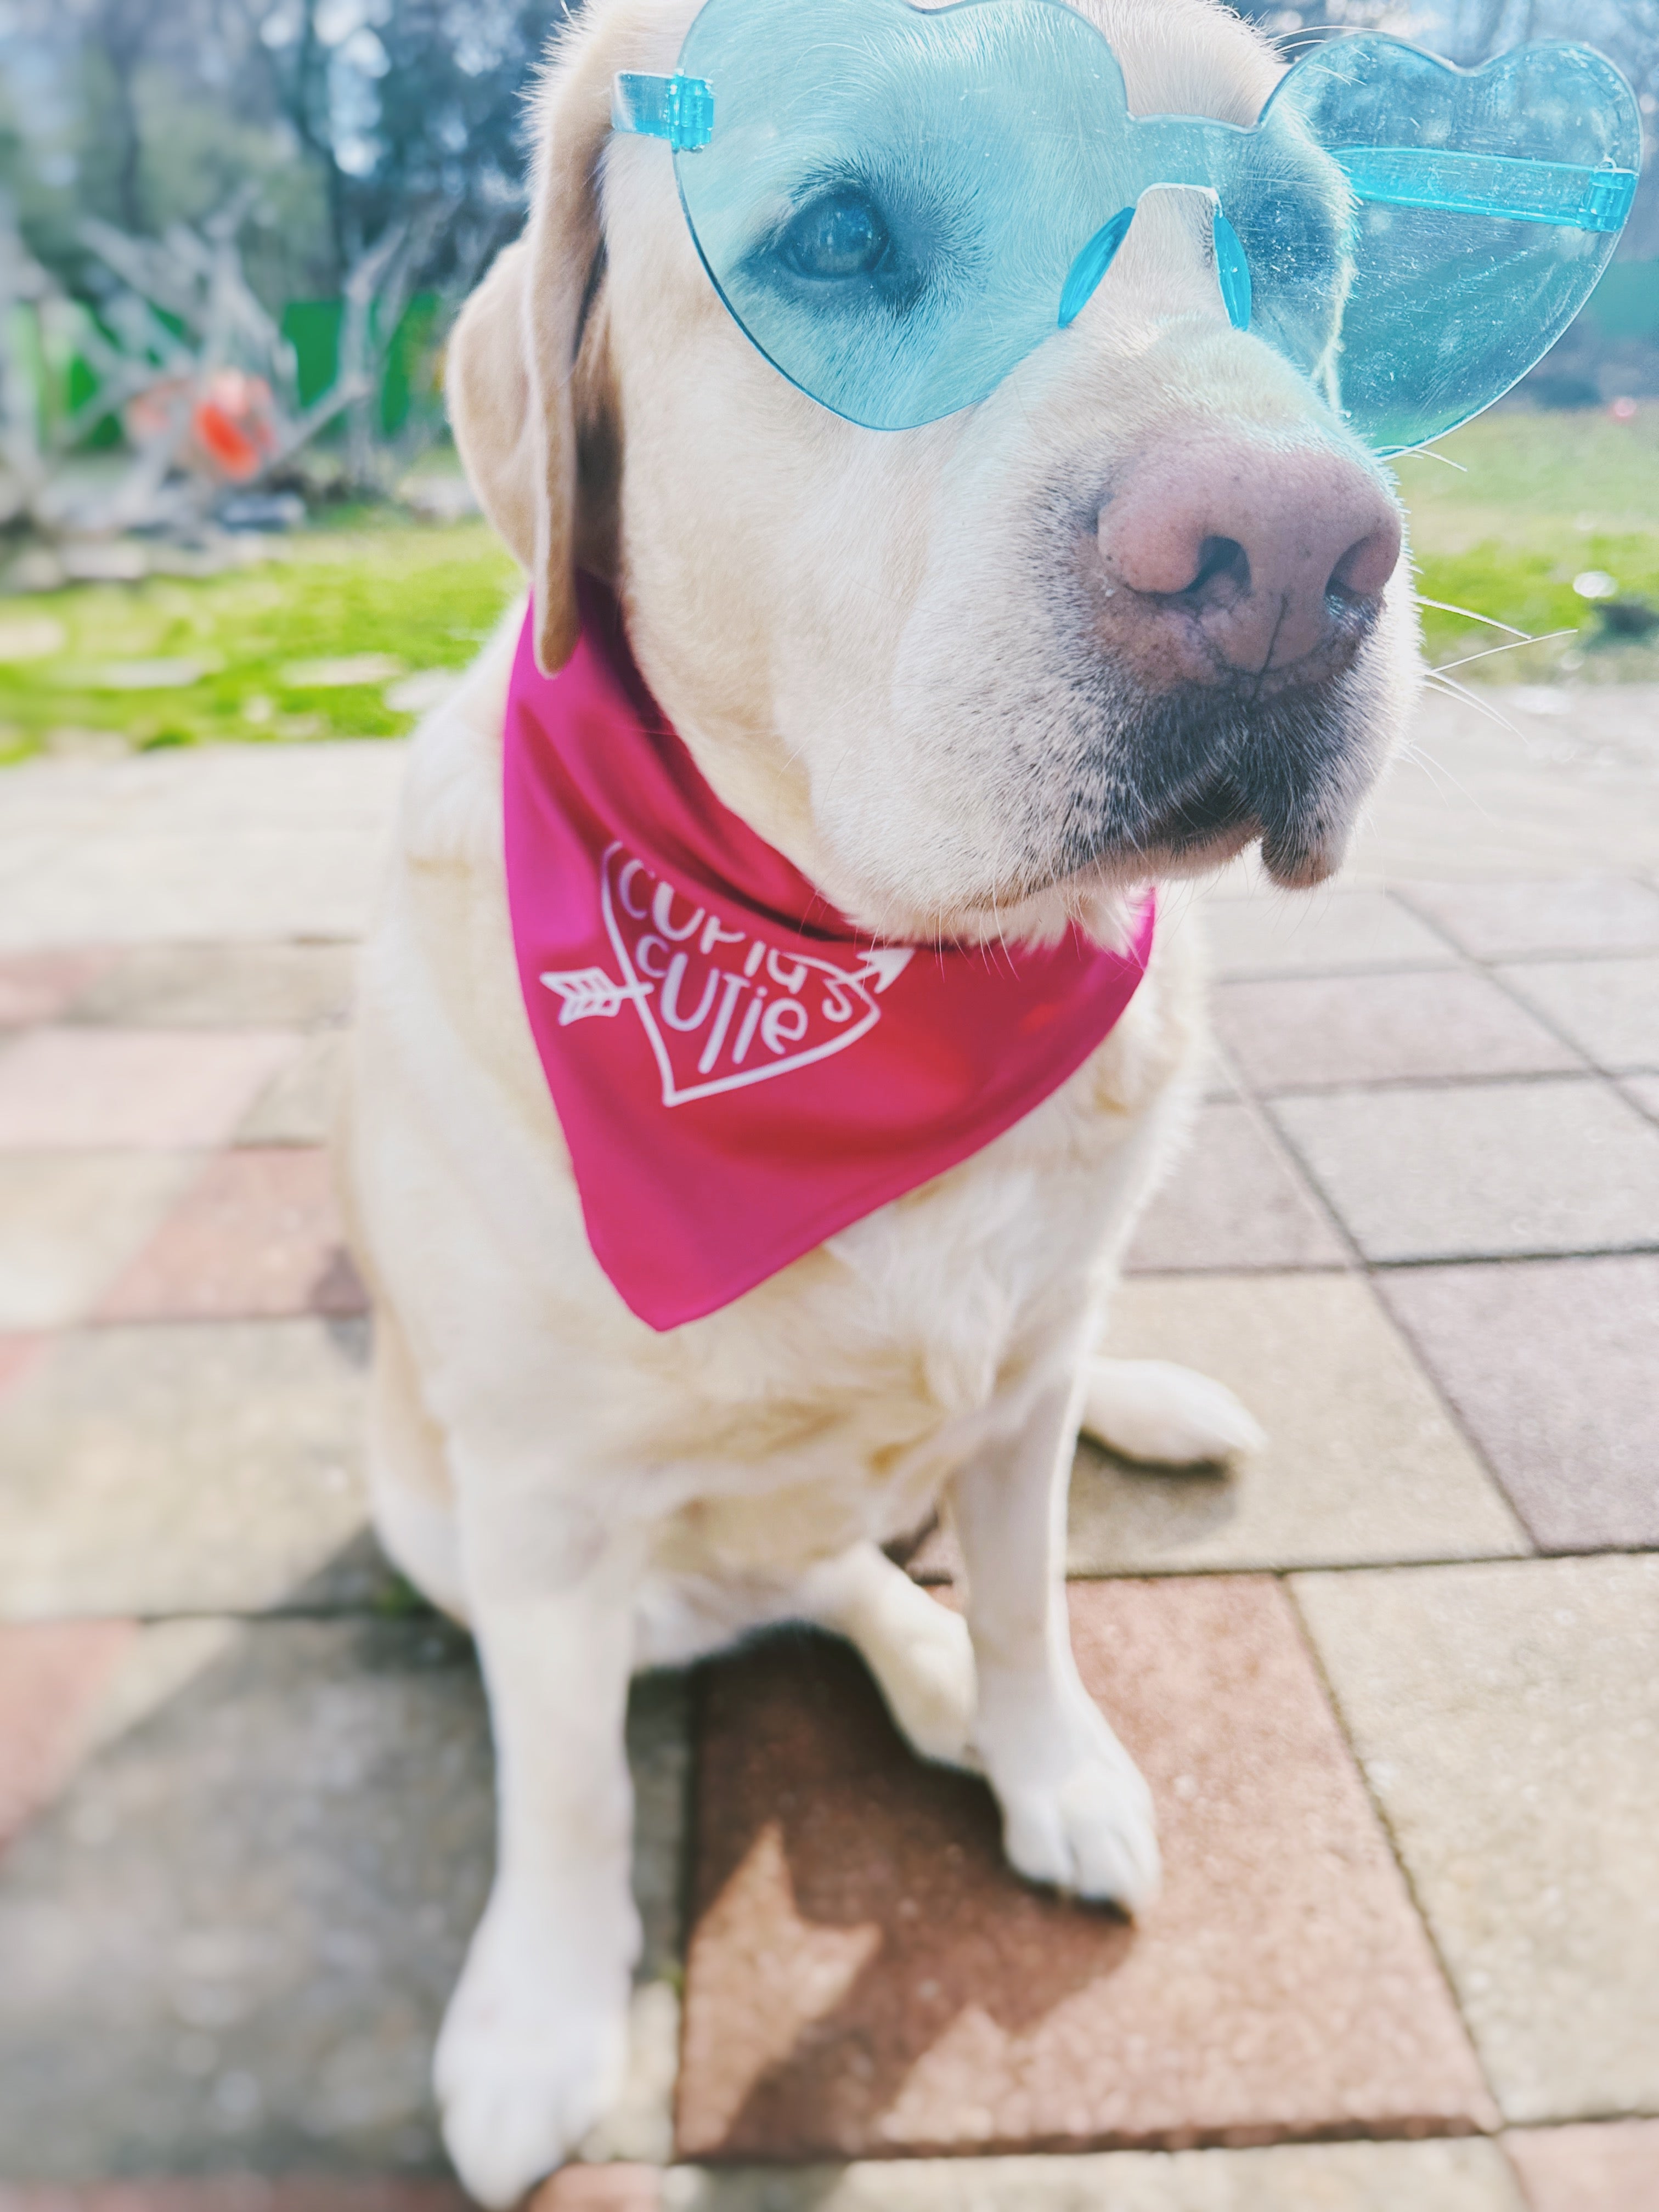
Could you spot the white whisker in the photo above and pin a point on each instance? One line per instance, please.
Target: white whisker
(1442, 776)
(1450, 689)
(1514, 646)
(1445, 607)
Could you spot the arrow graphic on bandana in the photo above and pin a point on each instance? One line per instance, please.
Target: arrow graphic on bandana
(586, 992)
(884, 964)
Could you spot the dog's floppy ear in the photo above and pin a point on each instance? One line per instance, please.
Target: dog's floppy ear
(513, 356)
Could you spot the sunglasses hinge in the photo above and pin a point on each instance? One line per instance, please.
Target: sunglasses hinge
(680, 109)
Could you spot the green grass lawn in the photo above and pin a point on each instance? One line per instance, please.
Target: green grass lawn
(307, 645)
(1536, 500)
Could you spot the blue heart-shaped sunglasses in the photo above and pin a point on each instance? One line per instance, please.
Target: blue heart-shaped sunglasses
(899, 205)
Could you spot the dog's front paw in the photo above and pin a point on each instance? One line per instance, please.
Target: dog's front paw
(1163, 1415)
(1075, 1811)
(532, 2051)
(926, 1676)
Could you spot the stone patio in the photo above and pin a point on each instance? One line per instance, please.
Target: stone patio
(1395, 1684)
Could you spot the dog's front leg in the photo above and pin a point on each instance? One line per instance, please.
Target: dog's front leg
(1075, 1811)
(534, 2042)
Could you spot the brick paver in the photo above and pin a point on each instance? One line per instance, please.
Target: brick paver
(52, 1674)
(73, 1220)
(94, 1090)
(1509, 921)
(248, 1788)
(1612, 2168)
(1237, 1201)
(218, 986)
(1550, 1365)
(1506, 1717)
(1609, 1008)
(37, 987)
(1563, 1165)
(186, 1467)
(866, 1976)
(297, 1105)
(1311, 1033)
(1332, 932)
(1362, 1463)
(257, 1234)
(1340, 2177)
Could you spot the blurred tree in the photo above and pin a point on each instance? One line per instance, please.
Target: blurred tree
(404, 108)
(351, 115)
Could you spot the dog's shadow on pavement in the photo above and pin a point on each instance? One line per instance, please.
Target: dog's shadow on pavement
(860, 1940)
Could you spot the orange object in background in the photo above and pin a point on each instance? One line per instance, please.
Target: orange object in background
(233, 424)
(233, 421)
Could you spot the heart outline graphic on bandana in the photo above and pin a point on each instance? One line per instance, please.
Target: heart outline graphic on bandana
(588, 991)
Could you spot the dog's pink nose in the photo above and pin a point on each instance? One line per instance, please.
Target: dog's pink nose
(1242, 558)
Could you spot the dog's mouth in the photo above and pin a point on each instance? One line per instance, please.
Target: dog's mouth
(1206, 832)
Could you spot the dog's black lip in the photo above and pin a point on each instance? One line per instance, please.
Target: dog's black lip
(1213, 810)
(1120, 865)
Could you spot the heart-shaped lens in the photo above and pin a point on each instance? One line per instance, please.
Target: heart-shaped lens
(1487, 204)
(891, 197)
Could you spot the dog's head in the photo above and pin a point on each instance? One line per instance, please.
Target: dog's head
(1139, 606)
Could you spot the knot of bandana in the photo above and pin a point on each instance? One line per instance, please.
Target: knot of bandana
(737, 1071)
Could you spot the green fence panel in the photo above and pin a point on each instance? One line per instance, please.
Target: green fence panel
(313, 328)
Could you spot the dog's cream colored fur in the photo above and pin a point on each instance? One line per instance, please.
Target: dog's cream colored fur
(843, 626)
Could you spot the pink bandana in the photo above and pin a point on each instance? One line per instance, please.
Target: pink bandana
(737, 1074)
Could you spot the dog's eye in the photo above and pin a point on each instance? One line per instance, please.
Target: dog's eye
(839, 236)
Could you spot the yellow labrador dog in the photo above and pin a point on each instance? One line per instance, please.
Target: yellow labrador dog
(1135, 610)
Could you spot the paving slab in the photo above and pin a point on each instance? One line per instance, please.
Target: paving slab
(1565, 915)
(1609, 1008)
(297, 1106)
(238, 2192)
(1612, 2168)
(184, 886)
(1508, 1719)
(220, 987)
(1481, 1169)
(70, 1221)
(209, 791)
(1343, 2176)
(17, 1354)
(1232, 1199)
(621, 2188)
(1277, 933)
(36, 987)
(229, 842)
(189, 1466)
(230, 1939)
(70, 1090)
(1321, 1032)
(1539, 781)
(1550, 1364)
(1363, 1462)
(51, 1674)
(866, 1978)
(258, 1234)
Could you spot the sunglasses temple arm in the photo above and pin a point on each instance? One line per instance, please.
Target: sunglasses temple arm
(680, 109)
(1499, 186)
